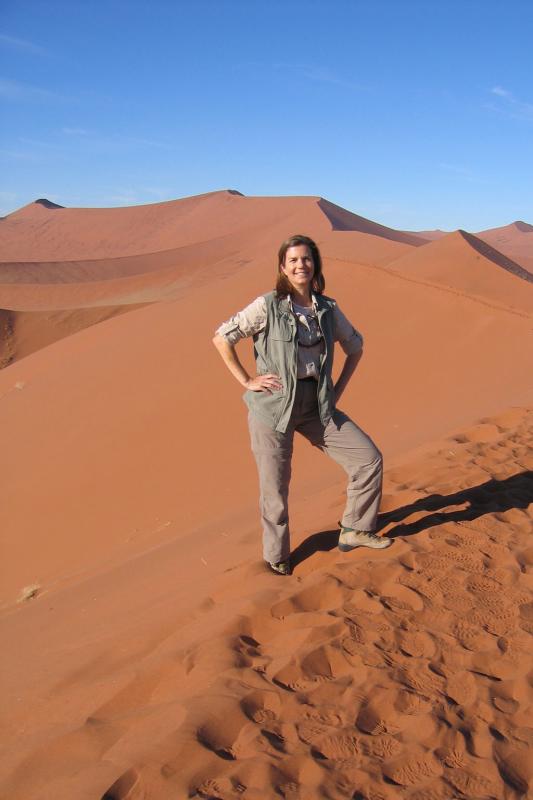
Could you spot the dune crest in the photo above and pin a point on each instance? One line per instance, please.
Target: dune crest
(513, 240)
(463, 262)
(343, 220)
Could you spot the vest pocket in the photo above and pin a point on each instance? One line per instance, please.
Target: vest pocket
(281, 334)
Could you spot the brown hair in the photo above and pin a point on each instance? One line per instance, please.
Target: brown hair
(283, 286)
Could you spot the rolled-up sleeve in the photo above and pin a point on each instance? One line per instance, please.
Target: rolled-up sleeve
(348, 337)
(249, 321)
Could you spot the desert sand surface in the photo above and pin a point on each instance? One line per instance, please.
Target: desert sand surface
(147, 651)
(514, 240)
(101, 262)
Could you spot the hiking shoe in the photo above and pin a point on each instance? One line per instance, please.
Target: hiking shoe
(281, 568)
(349, 539)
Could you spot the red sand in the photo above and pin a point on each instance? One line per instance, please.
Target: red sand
(514, 240)
(146, 651)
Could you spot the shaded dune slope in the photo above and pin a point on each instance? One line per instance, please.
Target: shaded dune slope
(496, 257)
(514, 240)
(343, 220)
(25, 332)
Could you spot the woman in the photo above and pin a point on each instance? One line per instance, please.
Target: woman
(294, 329)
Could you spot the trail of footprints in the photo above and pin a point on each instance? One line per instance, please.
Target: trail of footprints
(397, 675)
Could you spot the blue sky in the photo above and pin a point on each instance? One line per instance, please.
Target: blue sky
(414, 113)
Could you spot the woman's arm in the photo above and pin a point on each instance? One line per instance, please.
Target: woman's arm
(347, 371)
(261, 383)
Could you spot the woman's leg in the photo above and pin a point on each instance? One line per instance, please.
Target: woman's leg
(355, 451)
(273, 453)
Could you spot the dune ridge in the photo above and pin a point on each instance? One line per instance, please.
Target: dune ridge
(37, 232)
(461, 261)
(123, 258)
(513, 240)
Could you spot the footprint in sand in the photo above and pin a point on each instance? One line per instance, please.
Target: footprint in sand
(378, 714)
(516, 766)
(381, 747)
(416, 644)
(413, 767)
(326, 595)
(411, 703)
(421, 679)
(226, 732)
(473, 783)
(424, 585)
(260, 706)
(507, 695)
(329, 742)
(495, 616)
(471, 637)
(325, 663)
(452, 752)
(461, 688)
(216, 789)
(127, 787)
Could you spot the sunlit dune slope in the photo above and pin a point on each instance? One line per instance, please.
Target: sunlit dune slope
(514, 240)
(429, 236)
(39, 233)
(103, 425)
(191, 670)
(463, 262)
(206, 238)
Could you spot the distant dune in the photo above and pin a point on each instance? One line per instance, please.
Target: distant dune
(147, 651)
(83, 260)
(464, 263)
(514, 240)
(430, 236)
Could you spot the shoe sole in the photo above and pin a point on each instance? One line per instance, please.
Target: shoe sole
(346, 548)
(271, 568)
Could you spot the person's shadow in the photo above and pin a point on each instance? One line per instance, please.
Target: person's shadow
(493, 495)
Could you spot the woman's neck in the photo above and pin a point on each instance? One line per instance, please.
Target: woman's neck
(301, 298)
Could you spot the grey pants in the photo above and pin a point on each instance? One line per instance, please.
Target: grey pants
(341, 439)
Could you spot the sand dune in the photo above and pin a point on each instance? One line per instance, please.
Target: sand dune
(342, 220)
(148, 653)
(39, 233)
(430, 236)
(25, 332)
(128, 387)
(462, 261)
(143, 254)
(204, 238)
(514, 240)
(385, 675)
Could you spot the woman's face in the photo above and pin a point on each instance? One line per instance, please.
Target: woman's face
(299, 267)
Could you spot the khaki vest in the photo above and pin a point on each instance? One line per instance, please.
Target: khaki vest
(275, 350)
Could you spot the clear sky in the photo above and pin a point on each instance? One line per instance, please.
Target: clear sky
(415, 113)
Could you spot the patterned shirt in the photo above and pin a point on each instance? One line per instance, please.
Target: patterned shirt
(252, 320)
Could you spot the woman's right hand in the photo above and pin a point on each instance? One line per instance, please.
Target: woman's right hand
(264, 383)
